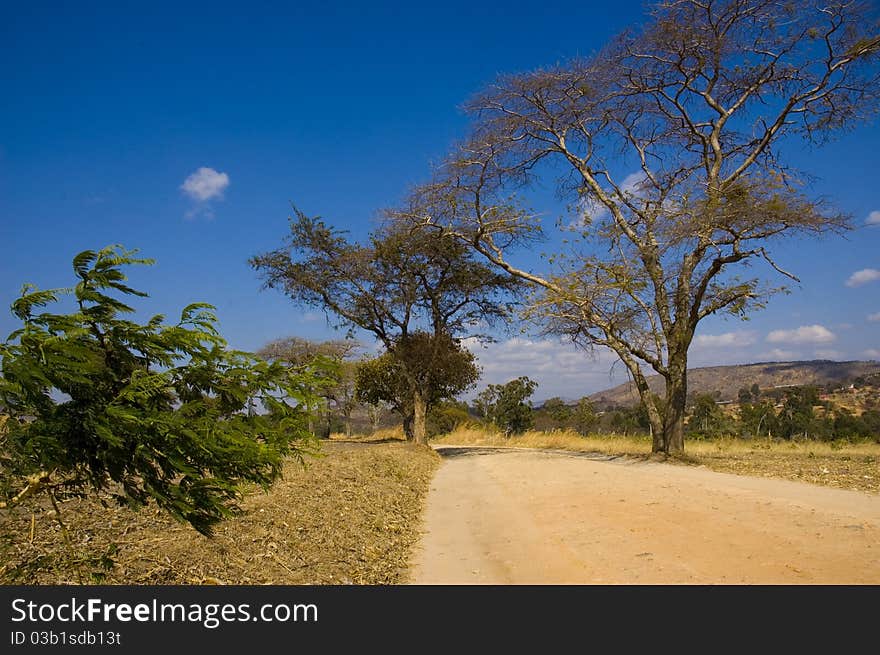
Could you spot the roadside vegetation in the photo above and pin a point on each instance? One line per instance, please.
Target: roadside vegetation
(350, 517)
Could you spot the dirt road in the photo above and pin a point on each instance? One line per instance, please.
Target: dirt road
(532, 517)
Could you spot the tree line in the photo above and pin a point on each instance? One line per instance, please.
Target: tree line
(793, 413)
(790, 413)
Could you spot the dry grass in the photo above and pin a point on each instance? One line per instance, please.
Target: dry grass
(854, 466)
(379, 436)
(556, 439)
(350, 518)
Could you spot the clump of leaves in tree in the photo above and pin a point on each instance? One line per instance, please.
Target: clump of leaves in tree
(97, 402)
(333, 359)
(585, 416)
(557, 410)
(580, 416)
(439, 364)
(507, 405)
(447, 416)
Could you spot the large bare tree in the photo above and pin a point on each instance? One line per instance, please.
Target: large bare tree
(669, 145)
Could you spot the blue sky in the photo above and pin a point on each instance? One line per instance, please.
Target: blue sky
(107, 110)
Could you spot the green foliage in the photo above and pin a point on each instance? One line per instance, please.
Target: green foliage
(707, 418)
(630, 419)
(758, 419)
(796, 418)
(437, 364)
(555, 413)
(507, 405)
(871, 422)
(557, 409)
(379, 380)
(335, 387)
(783, 413)
(446, 416)
(803, 415)
(99, 402)
(847, 426)
(585, 416)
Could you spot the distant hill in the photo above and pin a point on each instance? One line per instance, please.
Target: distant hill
(726, 381)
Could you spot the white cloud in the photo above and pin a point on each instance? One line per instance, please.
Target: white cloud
(726, 340)
(803, 334)
(874, 318)
(634, 184)
(205, 184)
(778, 354)
(590, 210)
(829, 354)
(560, 369)
(863, 276)
(873, 218)
(873, 353)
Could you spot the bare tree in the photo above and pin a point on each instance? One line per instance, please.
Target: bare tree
(697, 104)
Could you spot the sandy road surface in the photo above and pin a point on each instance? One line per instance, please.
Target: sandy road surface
(532, 517)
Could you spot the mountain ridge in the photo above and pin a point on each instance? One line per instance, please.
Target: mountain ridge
(724, 382)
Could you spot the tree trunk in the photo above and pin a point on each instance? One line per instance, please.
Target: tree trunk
(673, 420)
(408, 426)
(657, 428)
(348, 425)
(655, 417)
(420, 410)
(328, 424)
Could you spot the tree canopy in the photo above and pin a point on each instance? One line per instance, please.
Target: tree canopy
(444, 370)
(416, 292)
(507, 405)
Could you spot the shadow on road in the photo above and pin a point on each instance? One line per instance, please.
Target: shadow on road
(468, 451)
(473, 451)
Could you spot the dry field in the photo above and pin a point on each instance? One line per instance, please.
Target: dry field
(852, 466)
(351, 517)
